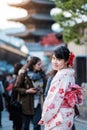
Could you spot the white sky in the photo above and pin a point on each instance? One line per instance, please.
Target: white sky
(7, 12)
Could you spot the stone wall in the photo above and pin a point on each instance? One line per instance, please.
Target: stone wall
(78, 49)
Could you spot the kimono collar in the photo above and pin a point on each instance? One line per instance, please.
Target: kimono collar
(68, 71)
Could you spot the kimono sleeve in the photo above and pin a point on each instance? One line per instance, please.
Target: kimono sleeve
(54, 98)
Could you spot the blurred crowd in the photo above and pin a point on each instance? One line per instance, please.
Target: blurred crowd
(25, 86)
(23, 92)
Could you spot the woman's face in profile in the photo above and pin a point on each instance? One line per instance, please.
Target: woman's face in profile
(58, 64)
(37, 66)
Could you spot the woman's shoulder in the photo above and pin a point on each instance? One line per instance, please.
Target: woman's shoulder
(68, 71)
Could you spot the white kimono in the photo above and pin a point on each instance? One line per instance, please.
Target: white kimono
(58, 108)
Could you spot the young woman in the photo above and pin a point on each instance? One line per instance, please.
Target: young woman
(50, 77)
(38, 79)
(25, 94)
(58, 109)
(30, 85)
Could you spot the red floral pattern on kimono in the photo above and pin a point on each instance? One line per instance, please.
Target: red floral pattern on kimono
(58, 111)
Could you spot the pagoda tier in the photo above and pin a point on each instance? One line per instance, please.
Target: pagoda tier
(33, 35)
(35, 19)
(30, 3)
(38, 21)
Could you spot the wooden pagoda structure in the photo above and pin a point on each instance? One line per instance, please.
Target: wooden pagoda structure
(38, 21)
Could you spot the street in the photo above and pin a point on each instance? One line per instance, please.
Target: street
(7, 125)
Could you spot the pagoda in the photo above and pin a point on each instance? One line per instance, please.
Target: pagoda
(38, 21)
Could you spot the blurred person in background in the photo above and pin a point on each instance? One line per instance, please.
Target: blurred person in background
(38, 78)
(26, 91)
(7, 81)
(1, 100)
(15, 117)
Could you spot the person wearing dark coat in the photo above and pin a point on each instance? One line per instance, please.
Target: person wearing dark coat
(25, 90)
(14, 116)
(38, 78)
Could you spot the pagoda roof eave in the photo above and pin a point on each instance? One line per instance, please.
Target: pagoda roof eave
(43, 2)
(41, 32)
(23, 19)
(21, 35)
(36, 46)
(37, 32)
(22, 4)
(25, 4)
(42, 17)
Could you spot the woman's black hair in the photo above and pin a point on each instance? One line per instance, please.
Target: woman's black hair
(62, 52)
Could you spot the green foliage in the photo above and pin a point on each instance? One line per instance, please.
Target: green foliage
(70, 4)
(75, 7)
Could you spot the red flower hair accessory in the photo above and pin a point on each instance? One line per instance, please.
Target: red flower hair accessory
(71, 58)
